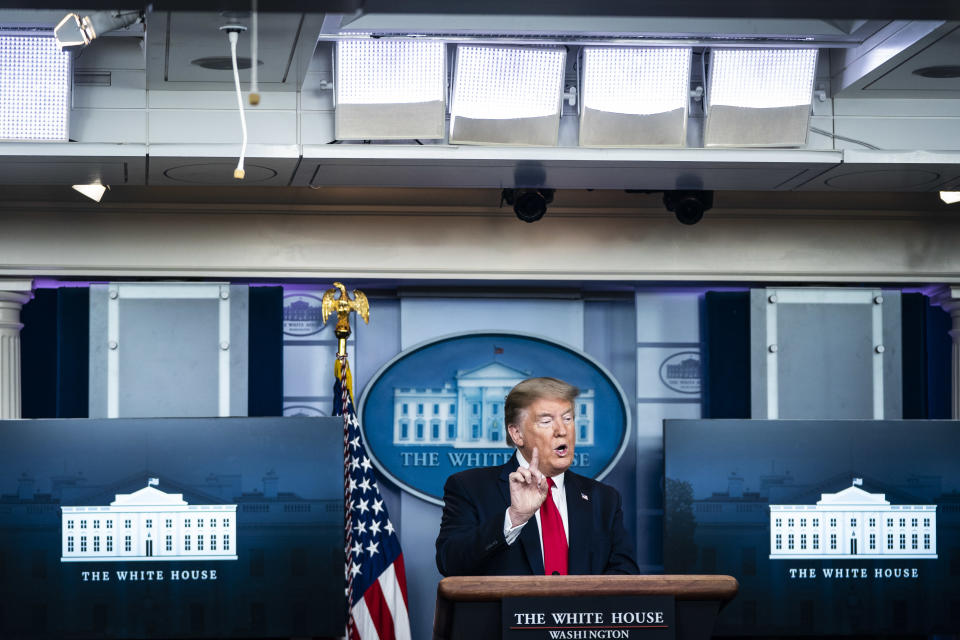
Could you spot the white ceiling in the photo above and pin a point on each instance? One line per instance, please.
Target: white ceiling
(164, 121)
(943, 51)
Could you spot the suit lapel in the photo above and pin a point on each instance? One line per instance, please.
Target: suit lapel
(530, 534)
(504, 483)
(530, 539)
(579, 519)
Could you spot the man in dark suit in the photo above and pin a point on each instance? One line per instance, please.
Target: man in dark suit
(532, 516)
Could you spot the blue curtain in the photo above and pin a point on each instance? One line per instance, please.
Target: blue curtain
(54, 353)
(725, 322)
(265, 370)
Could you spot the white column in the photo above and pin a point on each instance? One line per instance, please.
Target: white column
(13, 295)
(948, 298)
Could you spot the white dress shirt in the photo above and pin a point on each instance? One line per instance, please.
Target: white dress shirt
(511, 533)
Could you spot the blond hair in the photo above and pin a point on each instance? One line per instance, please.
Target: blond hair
(529, 391)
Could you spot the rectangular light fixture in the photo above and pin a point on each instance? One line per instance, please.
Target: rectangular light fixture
(34, 89)
(390, 89)
(507, 95)
(759, 97)
(635, 97)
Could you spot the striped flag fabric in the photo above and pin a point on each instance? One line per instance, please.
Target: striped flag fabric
(376, 583)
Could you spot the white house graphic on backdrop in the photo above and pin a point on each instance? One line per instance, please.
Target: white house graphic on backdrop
(149, 525)
(853, 524)
(469, 412)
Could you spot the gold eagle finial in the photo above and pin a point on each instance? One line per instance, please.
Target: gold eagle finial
(343, 306)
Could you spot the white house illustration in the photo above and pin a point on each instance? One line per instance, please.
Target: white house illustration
(149, 525)
(853, 524)
(469, 412)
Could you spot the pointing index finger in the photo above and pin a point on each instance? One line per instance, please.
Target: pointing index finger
(535, 468)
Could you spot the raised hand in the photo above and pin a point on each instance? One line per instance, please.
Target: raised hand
(528, 490)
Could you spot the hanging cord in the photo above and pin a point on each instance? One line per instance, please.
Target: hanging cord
(233, 36)
(844, 138)
(254, 89)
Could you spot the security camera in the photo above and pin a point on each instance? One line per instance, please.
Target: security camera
(688, 206)
(528, 204)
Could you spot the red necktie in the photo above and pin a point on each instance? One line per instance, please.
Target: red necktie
(554, 538)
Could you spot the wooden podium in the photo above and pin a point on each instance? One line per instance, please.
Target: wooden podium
(469, 607)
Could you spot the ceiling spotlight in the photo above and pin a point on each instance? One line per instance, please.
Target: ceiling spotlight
(79, 31)
(94, 190)
(528, 204)
(950, 197)
(688, 206)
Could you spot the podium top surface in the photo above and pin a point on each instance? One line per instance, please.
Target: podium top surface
(683, 587)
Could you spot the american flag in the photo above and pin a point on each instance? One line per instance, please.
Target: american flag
(376, 582)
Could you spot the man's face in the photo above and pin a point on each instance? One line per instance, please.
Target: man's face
(547, 424)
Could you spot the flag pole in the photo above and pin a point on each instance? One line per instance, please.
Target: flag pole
(375, 577)
(341, 368)
(344, 306)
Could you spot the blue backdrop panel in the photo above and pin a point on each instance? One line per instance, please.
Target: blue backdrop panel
(831, 527)
(186, 528)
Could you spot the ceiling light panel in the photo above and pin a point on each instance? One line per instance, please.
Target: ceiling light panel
(636, 96)
(638, 81)
(34, 89)
(507, 95)
(759, 97)
(390, 89)
(373, 71)
(761, 78)
(508, 82)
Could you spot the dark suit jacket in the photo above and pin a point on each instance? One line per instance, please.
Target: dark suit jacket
(471, 538)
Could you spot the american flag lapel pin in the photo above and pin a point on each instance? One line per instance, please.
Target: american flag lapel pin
(585, 496)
